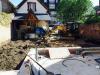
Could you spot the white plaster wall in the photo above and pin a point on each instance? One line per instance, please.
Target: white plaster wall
(5, 32)
(0, 6)
(15, 72)
(39, 7)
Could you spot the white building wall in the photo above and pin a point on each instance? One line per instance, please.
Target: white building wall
(39, 7)
(0, 6)
(14, 72)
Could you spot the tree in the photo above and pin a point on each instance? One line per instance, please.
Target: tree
(73, 10)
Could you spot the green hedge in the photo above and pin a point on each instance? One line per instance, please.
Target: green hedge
(5, 19)
(93, 19)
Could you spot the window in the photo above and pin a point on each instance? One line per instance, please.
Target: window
(53, 13)
(52, 1)
(45, 1)
(53, 18)
(32, 6)
(51, 6)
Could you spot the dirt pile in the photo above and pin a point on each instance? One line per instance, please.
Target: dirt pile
(11, 55)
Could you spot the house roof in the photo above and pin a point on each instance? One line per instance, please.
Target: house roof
(39, 15)
(11, 4)
(26, 0)
(43, 17)
(21, 4)
(22, 16)
(19, 18)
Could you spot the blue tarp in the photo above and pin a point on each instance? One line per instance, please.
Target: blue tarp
(40, 31)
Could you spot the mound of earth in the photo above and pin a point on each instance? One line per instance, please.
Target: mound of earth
(11, 55)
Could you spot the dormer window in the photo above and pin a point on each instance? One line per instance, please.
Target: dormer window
(32, 6)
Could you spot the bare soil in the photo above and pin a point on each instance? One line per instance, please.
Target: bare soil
(11, 55)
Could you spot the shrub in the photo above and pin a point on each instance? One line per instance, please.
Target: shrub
(5, 19)
(92, 19)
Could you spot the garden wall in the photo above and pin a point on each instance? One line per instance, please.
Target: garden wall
(90, 31)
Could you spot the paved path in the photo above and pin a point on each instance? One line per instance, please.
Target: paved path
(4, 34)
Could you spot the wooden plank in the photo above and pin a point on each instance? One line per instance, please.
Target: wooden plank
(58, 53)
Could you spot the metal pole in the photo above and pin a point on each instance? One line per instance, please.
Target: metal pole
(36, 56)
(36, 46)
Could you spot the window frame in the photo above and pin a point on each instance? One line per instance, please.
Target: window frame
(52, 1)
(29, 6)
(52, 6)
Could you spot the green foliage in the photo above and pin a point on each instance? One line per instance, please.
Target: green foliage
(93, 19)
(73, 10)
(5, 19)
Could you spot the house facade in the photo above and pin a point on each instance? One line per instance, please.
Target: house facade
(52, 7)
(28, 15)
(6, 6)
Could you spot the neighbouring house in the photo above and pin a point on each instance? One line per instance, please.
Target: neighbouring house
(97, 8)
(52, 7)
(28, 16)
(6, 6)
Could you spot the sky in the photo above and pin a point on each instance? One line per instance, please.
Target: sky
(95, 2)
(16, 2)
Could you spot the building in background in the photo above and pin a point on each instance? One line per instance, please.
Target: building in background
(6, 6)
(97, 8)
(28, 16)
(52, 7)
